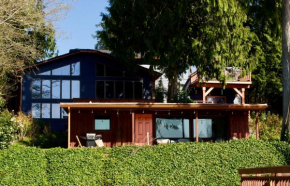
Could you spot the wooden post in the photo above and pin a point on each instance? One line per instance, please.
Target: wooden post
(243, 95)
(257, 125)
(196, 126)
(68, 128)
(133, 127)
(203, 94)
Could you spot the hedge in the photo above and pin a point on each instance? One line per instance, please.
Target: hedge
(173, 164)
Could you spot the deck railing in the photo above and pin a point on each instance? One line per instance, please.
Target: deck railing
(236, 76)
(265, 176)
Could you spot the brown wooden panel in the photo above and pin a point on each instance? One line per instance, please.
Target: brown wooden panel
(143, 124)
(238, 126)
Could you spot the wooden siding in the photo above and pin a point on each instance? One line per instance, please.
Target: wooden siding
(120, 132)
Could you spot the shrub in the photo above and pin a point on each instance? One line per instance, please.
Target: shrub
(189, 163)
(76, 166)
(8, 129)
(270, 126)
(174, 164)
(23, 166)
(25, 123)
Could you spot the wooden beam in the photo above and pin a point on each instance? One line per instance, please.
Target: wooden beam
(219, 85)
(209, 90)
(163, 106)
(196, 126)
(133, 127)
(238, 92)
(257, 125)
(265, 170)
(203, 94)
(68, 128)
(243, 95)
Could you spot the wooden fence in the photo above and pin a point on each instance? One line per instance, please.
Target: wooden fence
(265, 176)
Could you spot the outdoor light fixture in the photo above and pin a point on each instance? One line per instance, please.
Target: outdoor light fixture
(118, 112)
(232, 112)
(168, 112)
(181, 112)
(155, 112)
(143, 111)
(130, 111)
(79, 111)
(105, 111)
(193, 112)
(92, 111)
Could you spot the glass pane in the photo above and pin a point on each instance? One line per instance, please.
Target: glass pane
(47, 73)
(45, 110)
(186, 128)
(62, 71)
(65, 89)
(100, 89)
(168, 128)
(55, 89)
(102, 123)
(138, 90)
(129, 90)
(75, 69)
(75, 89)
(119, 89)
(109, 89)
(113, 72)
(100, 69)
(55, 110)
(46, 89)
(204, 128)
(63, 113)
(36, 110)
(36, 89)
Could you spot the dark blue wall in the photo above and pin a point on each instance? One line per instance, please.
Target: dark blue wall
(87, 81)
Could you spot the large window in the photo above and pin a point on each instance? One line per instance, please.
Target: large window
(47, 111)
(55, 89)
(102, 122)
(119, 89)
(68, 70)
(172, 128)
(204, 128)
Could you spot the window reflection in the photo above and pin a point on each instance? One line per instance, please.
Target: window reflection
(65, 93)
(36, 110)
(36, 89)
(47, 73)
(63, 113)
(119, 89)
(46, 89)
(55, 85)
(169, 128)
(75, 69)
(45, 110)
(204, 128)
(62, 71)
(109, 89)
(55, 108)
(75, 89)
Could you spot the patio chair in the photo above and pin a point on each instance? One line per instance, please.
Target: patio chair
(183, 140)
(163, 141)
(79, 142)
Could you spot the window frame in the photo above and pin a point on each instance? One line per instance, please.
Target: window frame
(183, 128)
(70, 71)
(50, 109)
(102, 117)
(124, 90)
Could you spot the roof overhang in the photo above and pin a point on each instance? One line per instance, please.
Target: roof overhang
(164, 106)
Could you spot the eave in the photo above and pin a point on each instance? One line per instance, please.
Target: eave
(164, 106)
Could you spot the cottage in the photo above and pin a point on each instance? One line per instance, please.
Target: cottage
(88, 91)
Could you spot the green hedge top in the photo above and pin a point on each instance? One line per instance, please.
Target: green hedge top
(174, 164)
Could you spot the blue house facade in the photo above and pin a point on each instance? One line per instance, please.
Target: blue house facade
(80, 75)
